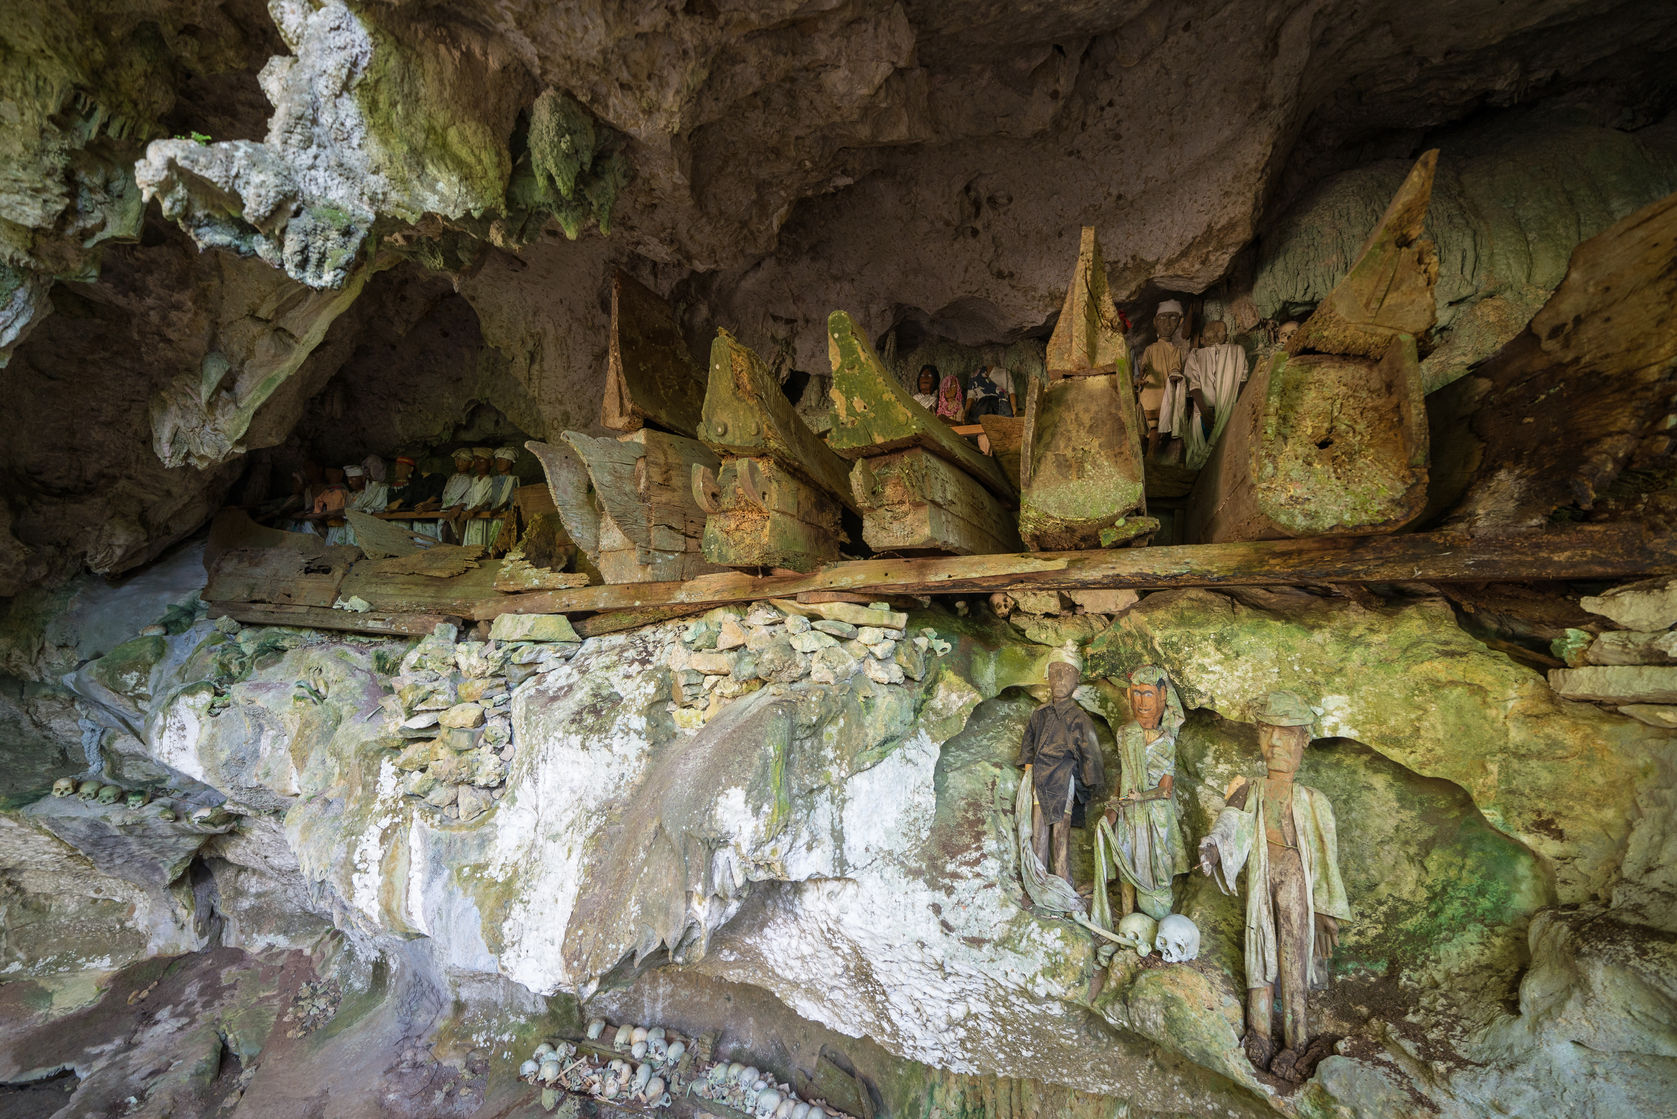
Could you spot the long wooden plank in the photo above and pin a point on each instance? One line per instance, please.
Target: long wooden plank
(651, 375)
(1578, 551)
(873, 414)
(316, 617)
(746, 415)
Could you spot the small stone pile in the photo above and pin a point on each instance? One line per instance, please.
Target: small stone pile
(1632, 668)
(731, 651)
(452, 705)
(654, 1068)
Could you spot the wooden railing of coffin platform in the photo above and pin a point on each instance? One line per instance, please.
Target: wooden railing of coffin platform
(262, 576)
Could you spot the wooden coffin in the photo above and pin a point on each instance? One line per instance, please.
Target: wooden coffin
(1331, 438)
(1080, 459)
(650, 528)
(651, 376)
(776, 499)
(915, 501)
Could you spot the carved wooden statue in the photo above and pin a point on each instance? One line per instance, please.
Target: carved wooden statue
(1147, 848)
(1283, 834)
(1062, 754)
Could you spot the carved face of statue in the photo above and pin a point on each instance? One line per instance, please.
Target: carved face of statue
(403, 473)
(1283, 747)
(357, 482)
(503, 466)
(480, 465)
(1216, 332)
(928, 380)
(1166, 324)
(1147, 704)
(1062, 680)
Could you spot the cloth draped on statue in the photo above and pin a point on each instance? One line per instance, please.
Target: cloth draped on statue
(1145, 847)
(1060, 743)
(1240, 841)
(1218, 372)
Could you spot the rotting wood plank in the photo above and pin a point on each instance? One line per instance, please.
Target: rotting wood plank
(873, 414)
(421, 594)
(567, 482)
(1006, 435)
(651, 375)
(616, 621)
(317, 617)
(746, 415)
(913, 500)
(1601, 551)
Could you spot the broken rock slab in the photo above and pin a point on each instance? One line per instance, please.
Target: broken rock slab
(1618, 684)
(533, 627)
(1649, 605)
(877, 614)
(1633, 647)
(1105, 602)
(1653, 714)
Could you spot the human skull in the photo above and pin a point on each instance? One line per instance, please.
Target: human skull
(638, 1049)
(528, 1070)
(802, 1111)
(64, 787)
(1285, 332)
(1137, 931)
(167, 814)
(784, 1110)
(137, 798)
(548, 1071)
(767, 1100)
(643, 1074)
(1178, 939)
(747, 1076)
(89, 790)
(1002, 603)
(596, 1027)
(717, 1074)
(109, 794)
(656, 1049)
(621, 1041)
(657, 1092)
(637, 1034)
(542, 1050)
(677, 1050)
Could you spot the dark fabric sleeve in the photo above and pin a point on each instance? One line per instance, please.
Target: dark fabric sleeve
(1027, 746)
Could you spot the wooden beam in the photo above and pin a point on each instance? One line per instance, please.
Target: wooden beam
(1581, 394)
(873, 414)
(318, 617)
(651, 376)
(747, 416)
(1604, 551)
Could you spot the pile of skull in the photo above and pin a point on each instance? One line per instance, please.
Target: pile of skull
(655, 1059)
(452, 706)
(732, 651)
(1176, 938)
(744, 1088)
(104, 795)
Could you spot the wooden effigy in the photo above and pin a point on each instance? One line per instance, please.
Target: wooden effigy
(920, 486)
(1331, 437)
(1080, 458)
(776, 499)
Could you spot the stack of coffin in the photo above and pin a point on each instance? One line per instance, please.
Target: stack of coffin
(1080, 459)
(920, 487)
(777, 498)
(643, 524)
(1331, 438)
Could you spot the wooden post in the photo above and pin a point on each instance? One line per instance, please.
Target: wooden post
(1331, 438)
(1080, 460)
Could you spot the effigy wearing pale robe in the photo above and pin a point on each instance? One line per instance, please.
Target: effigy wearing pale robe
(374, 496)
(1218, 372)
(1240, 840)
(1160, 385)
(478, 498)
(454, 493)
(1147, 846)
(501, 490)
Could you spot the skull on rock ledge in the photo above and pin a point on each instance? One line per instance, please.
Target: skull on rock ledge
(89, 790)
(137, 798)
(64, 787)
(110, 794)
(1178, 939)
(1137, 931)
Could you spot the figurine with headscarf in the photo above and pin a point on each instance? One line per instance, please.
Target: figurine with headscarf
(1141, 836)
(1062, 758)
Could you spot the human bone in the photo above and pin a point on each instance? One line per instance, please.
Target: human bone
(767, 1100)
(596, 1027)
(637, 1034)
(655, 1088)
(621, 1041)
(638, 1049)
(656, 1048)
(542, 1050)
(64, 786)
(549, 1070)
(89, 790)
(1178, 939)
(676, 1051)
(656, 1033)
(1137, 931)
(137, 798)
(528, 1070)
(784, 1111)
(109, 794)
(747, 1076)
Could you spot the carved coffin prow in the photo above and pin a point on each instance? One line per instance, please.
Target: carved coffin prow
(775, 500)
(1331, 437)
(650, 527)
(651, 375)
(1080, 467)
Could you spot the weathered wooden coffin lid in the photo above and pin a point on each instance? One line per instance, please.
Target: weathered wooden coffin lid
(746, 415)
(1089, 336)
(873, 414)
(651, 375)
(617, 469)
(568, 483)
(1389, 290)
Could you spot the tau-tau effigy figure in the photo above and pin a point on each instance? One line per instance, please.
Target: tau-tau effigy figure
(1214, 374)
(1063, 757)
(1144, 846)
(1283, 834)
(1158, 381)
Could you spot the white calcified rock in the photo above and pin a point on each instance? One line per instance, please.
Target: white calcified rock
(1649, 605)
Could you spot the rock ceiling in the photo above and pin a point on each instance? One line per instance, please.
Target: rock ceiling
(354, 175)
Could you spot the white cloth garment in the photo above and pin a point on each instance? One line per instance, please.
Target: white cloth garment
(1218, 372)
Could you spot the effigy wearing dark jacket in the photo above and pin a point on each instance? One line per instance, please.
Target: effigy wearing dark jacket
(1060, 744)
